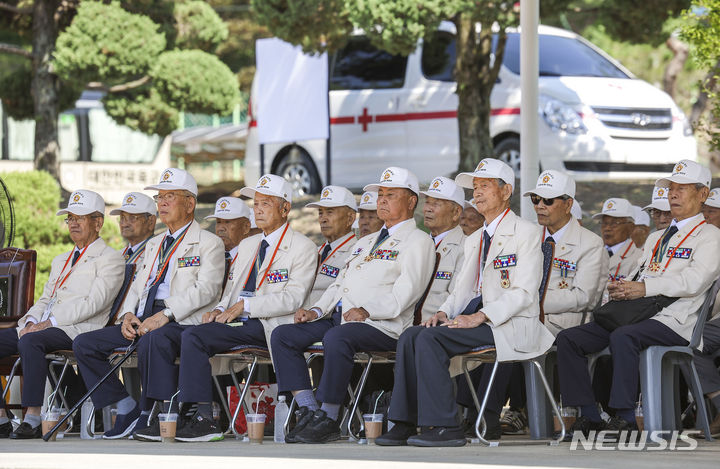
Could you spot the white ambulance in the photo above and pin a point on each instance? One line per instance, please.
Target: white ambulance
(597, 120)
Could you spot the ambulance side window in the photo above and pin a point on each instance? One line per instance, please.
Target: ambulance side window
(359, 65)
(438, 56)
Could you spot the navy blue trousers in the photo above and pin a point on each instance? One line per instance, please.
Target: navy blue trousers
(289, 343)
(32, 348)
(340, 344)
(423, 393)
(625, 343)
(92, 350)
(157, 351)
(199, 343)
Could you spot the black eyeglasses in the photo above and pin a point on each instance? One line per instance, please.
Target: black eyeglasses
(548, 202)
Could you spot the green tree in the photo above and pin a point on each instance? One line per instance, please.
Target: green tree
(151, 58)
(702, 31)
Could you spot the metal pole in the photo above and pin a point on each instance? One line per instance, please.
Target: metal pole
(262, 159)
(328, 164)
(529, 65)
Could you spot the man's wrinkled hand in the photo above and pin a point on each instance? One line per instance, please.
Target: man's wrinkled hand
(438, 319)
(156, 321)
(129, 326)
(305, 315)
(210, 316)
(467, 321)
(232, 313)
(356, 315)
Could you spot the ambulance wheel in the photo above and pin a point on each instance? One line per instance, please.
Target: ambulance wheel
(508, 151)
(298, 169)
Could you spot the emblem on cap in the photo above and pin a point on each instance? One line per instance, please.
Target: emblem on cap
(166, 175)
(661, 192)
(545, 179)
(609, 205)
(366, 198)
(223, 204)
(326, 193)
(480, 165)
(679, 167)
(76, 198)
(387, 175)
(129, 200)
(263, 182)
(436, 184)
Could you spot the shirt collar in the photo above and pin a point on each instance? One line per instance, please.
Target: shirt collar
(137, 246)
(681, 224)
(233, 252)
(557, 236)
(273, 238)
(77, 249)
(490, 229)
(617, 247)
(441, 236)
(397, 226)
(167, 232)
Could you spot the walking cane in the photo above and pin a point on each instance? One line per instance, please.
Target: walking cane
(79, 403)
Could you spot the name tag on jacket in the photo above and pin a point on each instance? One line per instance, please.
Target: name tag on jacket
(193, 261)
(277, 276)
(329, 270)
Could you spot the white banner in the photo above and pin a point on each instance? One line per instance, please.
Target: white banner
(291, 93)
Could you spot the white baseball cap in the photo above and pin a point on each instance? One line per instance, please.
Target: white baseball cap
(396, 177)
(551, 184)
(470, 204)
(230, 208)
(270, 184)
(173, 179)
(575, 210)
(487, 168)
(368, 201)
(713, 199)
(136, 202)
(446, 189)
(83, 202)
(640, 217)
(335, 196)
(616, 207)
(659, 200)
(687, 172)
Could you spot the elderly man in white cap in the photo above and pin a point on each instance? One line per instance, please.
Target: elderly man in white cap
(336, 212)
(180, 278)
(677, 267)
(368, 221)
(659, 208)
(232, 225)
(77, 298)
(385, 276)
(272, 276)
(444, 203)
(711, 207)
(496, 295)
(617, 223)
(470, 220)
(642, 226)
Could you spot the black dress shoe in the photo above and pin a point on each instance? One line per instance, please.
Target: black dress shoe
(616, 426)
(6, 429)
(26, 432)
(321, 429)
(303, 417)
(439, 437)
(397, 435)
(585, 426)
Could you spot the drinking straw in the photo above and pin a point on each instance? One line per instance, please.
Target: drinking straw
(171, 400)
(257, 405)
(377, 400)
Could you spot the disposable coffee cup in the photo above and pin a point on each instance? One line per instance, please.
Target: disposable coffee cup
(49, 420)
(568, 415)
(168, 426)
(256, 427)
(373, 426)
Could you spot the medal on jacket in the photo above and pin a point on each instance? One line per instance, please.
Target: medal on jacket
(563, 284)
(371, 256)
(654, 267)
(505, 278)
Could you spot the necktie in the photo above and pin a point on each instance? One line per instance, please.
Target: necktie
(550, 239)
(76, 255)
(486, 247)
(227, 255)
(610, 252)
(669, 232)
(382, 237)
(128, 253)
(548, 250)
(252, 280)
(325, 253)
(154, 288)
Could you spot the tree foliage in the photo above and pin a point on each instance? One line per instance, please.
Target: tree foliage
(17, 99)
(198, 26)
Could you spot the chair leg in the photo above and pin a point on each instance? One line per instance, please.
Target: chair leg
(223, 402)
(551, 398)
(241, 392)
(702, 414)
(356, 401)
(11, 376)
(481, 412)
(57, 381)
(471, 387)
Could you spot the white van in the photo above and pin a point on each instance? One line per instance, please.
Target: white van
(597, 119)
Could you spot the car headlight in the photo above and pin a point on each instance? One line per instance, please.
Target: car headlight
(560, 117)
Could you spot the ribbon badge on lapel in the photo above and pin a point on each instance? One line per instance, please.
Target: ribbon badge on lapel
(505, 278)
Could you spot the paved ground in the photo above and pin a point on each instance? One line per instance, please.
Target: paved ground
(73, 453)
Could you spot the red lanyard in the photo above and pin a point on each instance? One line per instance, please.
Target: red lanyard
(71, 269)
(287, 225)
(622, 258)
(482, 240)
(672, 254)
(233, 260)
(336, 249)
(164, 266)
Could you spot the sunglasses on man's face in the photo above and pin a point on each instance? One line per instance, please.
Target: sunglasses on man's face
(547, 202)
